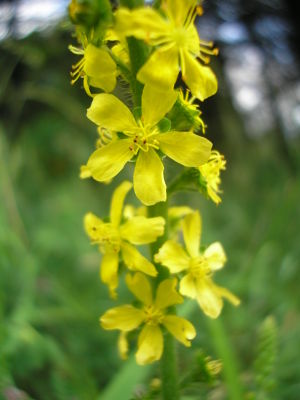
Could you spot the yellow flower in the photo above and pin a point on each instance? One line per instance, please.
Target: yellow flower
(198, 267)
(142, 139)
(114, 237)
(152, 315)
(210, 172)
(96, 67)
(177, 46)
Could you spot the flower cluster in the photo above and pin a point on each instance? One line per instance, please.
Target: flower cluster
(157, 55)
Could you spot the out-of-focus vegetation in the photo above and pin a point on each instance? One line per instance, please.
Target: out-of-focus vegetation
(51, 345)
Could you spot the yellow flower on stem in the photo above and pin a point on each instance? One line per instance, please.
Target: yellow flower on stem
(210, 172)
(96, 67)
(114, 237)
(177, 46)
(143, 139)
(198, 267)
(152, 315)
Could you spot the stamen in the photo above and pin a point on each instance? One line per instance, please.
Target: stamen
(212, 52)
(206, 47)
(192, 14)
(206, 43)
(199, 10)
(75, 50)
(203, 58)
(75, 66)
(155, 146)
(77, 70)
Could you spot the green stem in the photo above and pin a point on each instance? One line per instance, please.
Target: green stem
(138, 55)
(226, 353)
(169, 373)
(168, 364)
(160, 210)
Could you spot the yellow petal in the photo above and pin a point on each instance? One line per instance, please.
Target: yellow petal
(108, 161)
(107, 111)
(150, 345)
(213, 195)
(123, 345)
(191, 227)
(167, 295)
(118, 201)
(84, 172)
(172, 256)
(135, 261)
(156, 104)
(148, 178)
(109, 271)
(188, 287)
(100, 67)
(142, 23)
(142, 230)
(92, 226)
(140, 286)
(126, 318)
(215, 256)
(105, 82)
(180, 328)
(209, 298)
(185, 148)
(161, 69)
(227, 295)
(178, 10)
(179, 211)
(200, 79)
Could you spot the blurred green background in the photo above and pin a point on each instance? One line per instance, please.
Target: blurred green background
(51, 345)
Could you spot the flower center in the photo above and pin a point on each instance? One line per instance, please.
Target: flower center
(144, 139)
(107, 236)
(153, 316)
(180, 37)
(199, 267)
